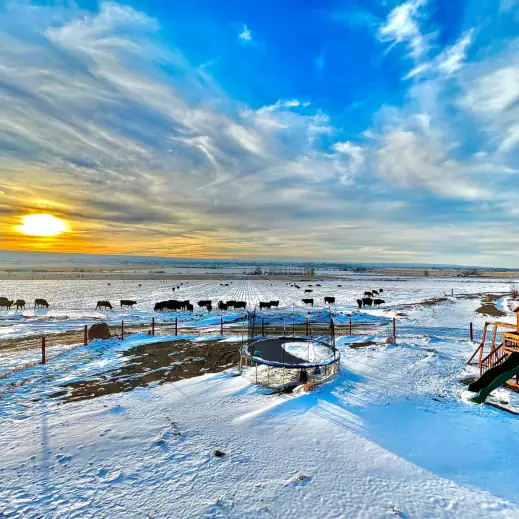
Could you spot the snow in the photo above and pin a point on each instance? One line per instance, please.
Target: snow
(389, 436)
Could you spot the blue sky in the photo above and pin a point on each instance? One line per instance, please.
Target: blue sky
(331, 130)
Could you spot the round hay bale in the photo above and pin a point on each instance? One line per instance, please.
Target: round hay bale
(99, 331)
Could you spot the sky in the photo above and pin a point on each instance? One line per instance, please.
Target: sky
(324, 130)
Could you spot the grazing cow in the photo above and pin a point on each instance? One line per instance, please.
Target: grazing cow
(308, 301)
(231, 303)
(368, 294)
(297, 286)
(378, 302)
(128, 302)
(189, 307)
(309, 285)
(171, 305)
(264, 304)
(240, 304)
(329, 300)
(374, 292)
(222, 305)
(359, 302)
(209, 308)
(103, 304)
(274, 304)
(308, 290)
(339, 286)
(204, 302)
(317, 285)
(41, 303)
(6, 303)
(173, 289)
(367, 301)
(381, 290)
(20, 304)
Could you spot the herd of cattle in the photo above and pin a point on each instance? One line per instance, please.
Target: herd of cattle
(174, 305)
(370, 300)
(20, 303)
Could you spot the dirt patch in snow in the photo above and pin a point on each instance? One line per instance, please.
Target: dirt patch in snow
(158, 362)
(490, 309)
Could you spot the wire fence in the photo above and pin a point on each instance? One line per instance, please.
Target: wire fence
(18, 354)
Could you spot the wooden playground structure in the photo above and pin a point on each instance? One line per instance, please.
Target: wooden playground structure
(498, 354)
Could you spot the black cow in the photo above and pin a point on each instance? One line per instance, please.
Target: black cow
(359, 302)
(264, 304)
(240, 304)
(189, 307)
(222, 305)
(204, 302)
(159, 306)
(209, 308)
(297, 286)
(368, 294)
(339, 286)
(40, 303)
(329, 300)
(374, 292)
(274, 304)
(378, 302)
(381, 290)
(308, 290)
(367, 301)
(103, 304)
(127, 302)
(317, 285)
(173, 289)
(308, 301)
(171, 305)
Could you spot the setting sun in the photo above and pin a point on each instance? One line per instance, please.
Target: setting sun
(42, 225)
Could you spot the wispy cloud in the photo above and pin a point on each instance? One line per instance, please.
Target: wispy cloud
(245, 35)
(402, 26)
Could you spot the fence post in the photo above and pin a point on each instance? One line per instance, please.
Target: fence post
(153, 326)
(122, 330)
(221, 325)
(350, 324)
(85, 335)
(43, 358)
(471, 333)
(307, 333)
(262, 328)
(394, 329)
(176, 325)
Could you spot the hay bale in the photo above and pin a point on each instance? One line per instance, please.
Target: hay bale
(99, 331)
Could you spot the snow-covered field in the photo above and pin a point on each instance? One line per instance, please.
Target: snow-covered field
(390, 436)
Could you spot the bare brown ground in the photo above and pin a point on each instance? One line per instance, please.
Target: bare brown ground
(490, 309)
(159, 362)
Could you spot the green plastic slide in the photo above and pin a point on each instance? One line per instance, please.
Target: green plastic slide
(493, 378)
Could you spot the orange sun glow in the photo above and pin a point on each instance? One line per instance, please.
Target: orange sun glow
(42, 225)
